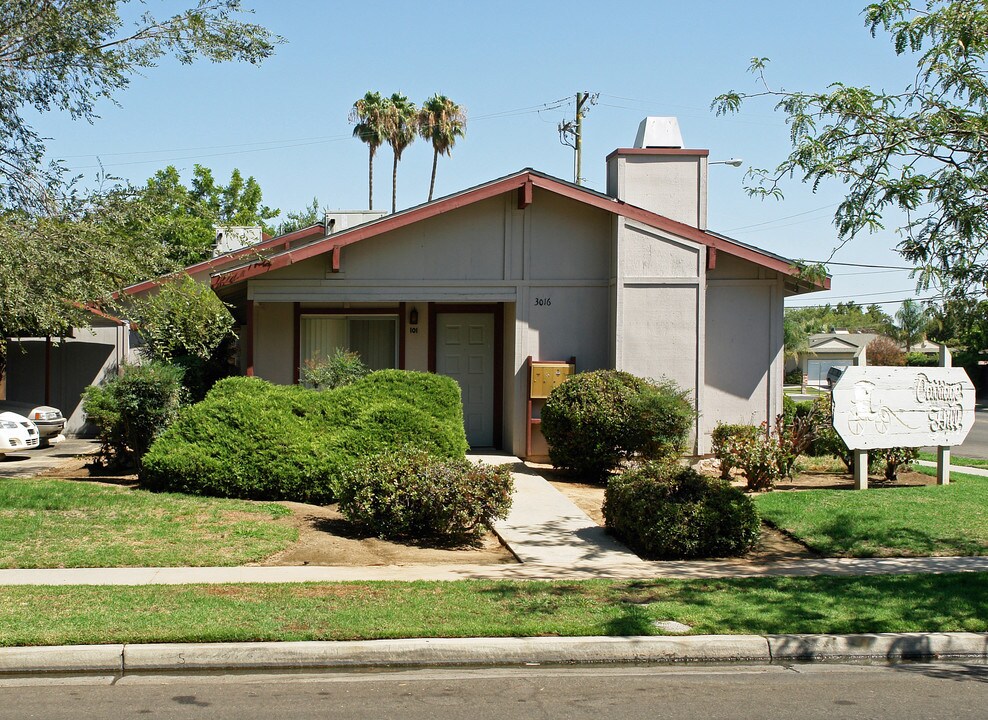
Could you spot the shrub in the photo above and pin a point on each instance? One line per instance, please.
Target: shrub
(595, 420)
(793, 377)
(251, 439)
(405, 493)
(918, 359)
(759, 457)
(343, 368)
(723, 436)
(885, 352)
(133, 408)
(663, 511)
(894, 458)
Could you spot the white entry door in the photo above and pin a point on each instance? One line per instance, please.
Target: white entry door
(465, 352)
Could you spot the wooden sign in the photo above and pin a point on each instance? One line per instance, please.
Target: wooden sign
(883, 407)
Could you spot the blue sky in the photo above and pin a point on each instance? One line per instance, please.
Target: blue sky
(516, 67)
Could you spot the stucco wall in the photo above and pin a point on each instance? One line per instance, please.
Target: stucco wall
(274, 339)
(744, 354)
(659, 307)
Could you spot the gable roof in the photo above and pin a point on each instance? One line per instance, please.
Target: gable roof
(522, 182)
(269, 243)
(834, 342)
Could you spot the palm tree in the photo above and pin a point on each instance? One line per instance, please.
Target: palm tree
(442, 121)
(401, 119)
(913, 319)
(368, 114)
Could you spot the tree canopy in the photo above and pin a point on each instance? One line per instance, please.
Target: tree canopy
(920, 153)
(182, 218)
(843, 316)
(441, 121)
(61, 247)
(67, 55)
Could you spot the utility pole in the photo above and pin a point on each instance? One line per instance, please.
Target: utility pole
(571, 132)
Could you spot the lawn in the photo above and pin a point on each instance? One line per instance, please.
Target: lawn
(484, 608)
(61, 523)
(886, 522)
(954, 460)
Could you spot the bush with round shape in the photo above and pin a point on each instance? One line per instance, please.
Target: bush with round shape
(664, 511)
(596, 420)
(407, 494)
(252, 439)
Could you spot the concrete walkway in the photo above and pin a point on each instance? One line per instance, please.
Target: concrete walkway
(544, 527)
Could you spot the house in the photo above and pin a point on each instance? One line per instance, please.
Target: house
(839, 348)
(527, 266)
(56, 371)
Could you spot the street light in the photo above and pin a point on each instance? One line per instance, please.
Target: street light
(733, 162)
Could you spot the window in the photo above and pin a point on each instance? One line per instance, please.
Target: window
(373, 337)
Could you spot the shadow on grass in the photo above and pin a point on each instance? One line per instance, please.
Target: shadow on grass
(856, 536)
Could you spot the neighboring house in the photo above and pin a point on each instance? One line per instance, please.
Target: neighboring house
(834, 349)
(474, 284)
(55, 371)
(841, 348)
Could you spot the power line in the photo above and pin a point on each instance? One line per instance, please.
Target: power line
(787, 217)
(876, 302)
(867, 272)
(286, 144)
(863, 265)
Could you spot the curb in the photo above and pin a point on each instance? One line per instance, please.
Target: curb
(418, 652)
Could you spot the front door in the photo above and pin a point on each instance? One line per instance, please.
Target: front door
(465, 352)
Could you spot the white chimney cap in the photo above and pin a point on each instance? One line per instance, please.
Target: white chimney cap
(659, 132)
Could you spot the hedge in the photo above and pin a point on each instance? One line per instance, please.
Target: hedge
(251, 439)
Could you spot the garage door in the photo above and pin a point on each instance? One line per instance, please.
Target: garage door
(817, 370)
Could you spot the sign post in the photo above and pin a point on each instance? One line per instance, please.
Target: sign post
(886, 407)
(943, 451)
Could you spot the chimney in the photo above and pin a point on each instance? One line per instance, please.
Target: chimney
(659, 175)
(338, 220)
(233, 237)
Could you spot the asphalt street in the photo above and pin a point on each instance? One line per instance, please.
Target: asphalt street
(975, 445)
(797, 692)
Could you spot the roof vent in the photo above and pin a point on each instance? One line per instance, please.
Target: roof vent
(659, 132)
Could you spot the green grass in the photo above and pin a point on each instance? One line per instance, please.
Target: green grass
(474, 608)
(61, 523)
(886, 522)
(954, 460)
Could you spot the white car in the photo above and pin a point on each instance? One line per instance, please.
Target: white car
(17, 433)
(47, 419)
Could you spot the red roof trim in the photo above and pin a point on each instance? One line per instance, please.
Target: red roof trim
(212, 263)
(658, 151)
(388, 223)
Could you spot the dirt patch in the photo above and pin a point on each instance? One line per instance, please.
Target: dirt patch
(325, 536)
(822, 480)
